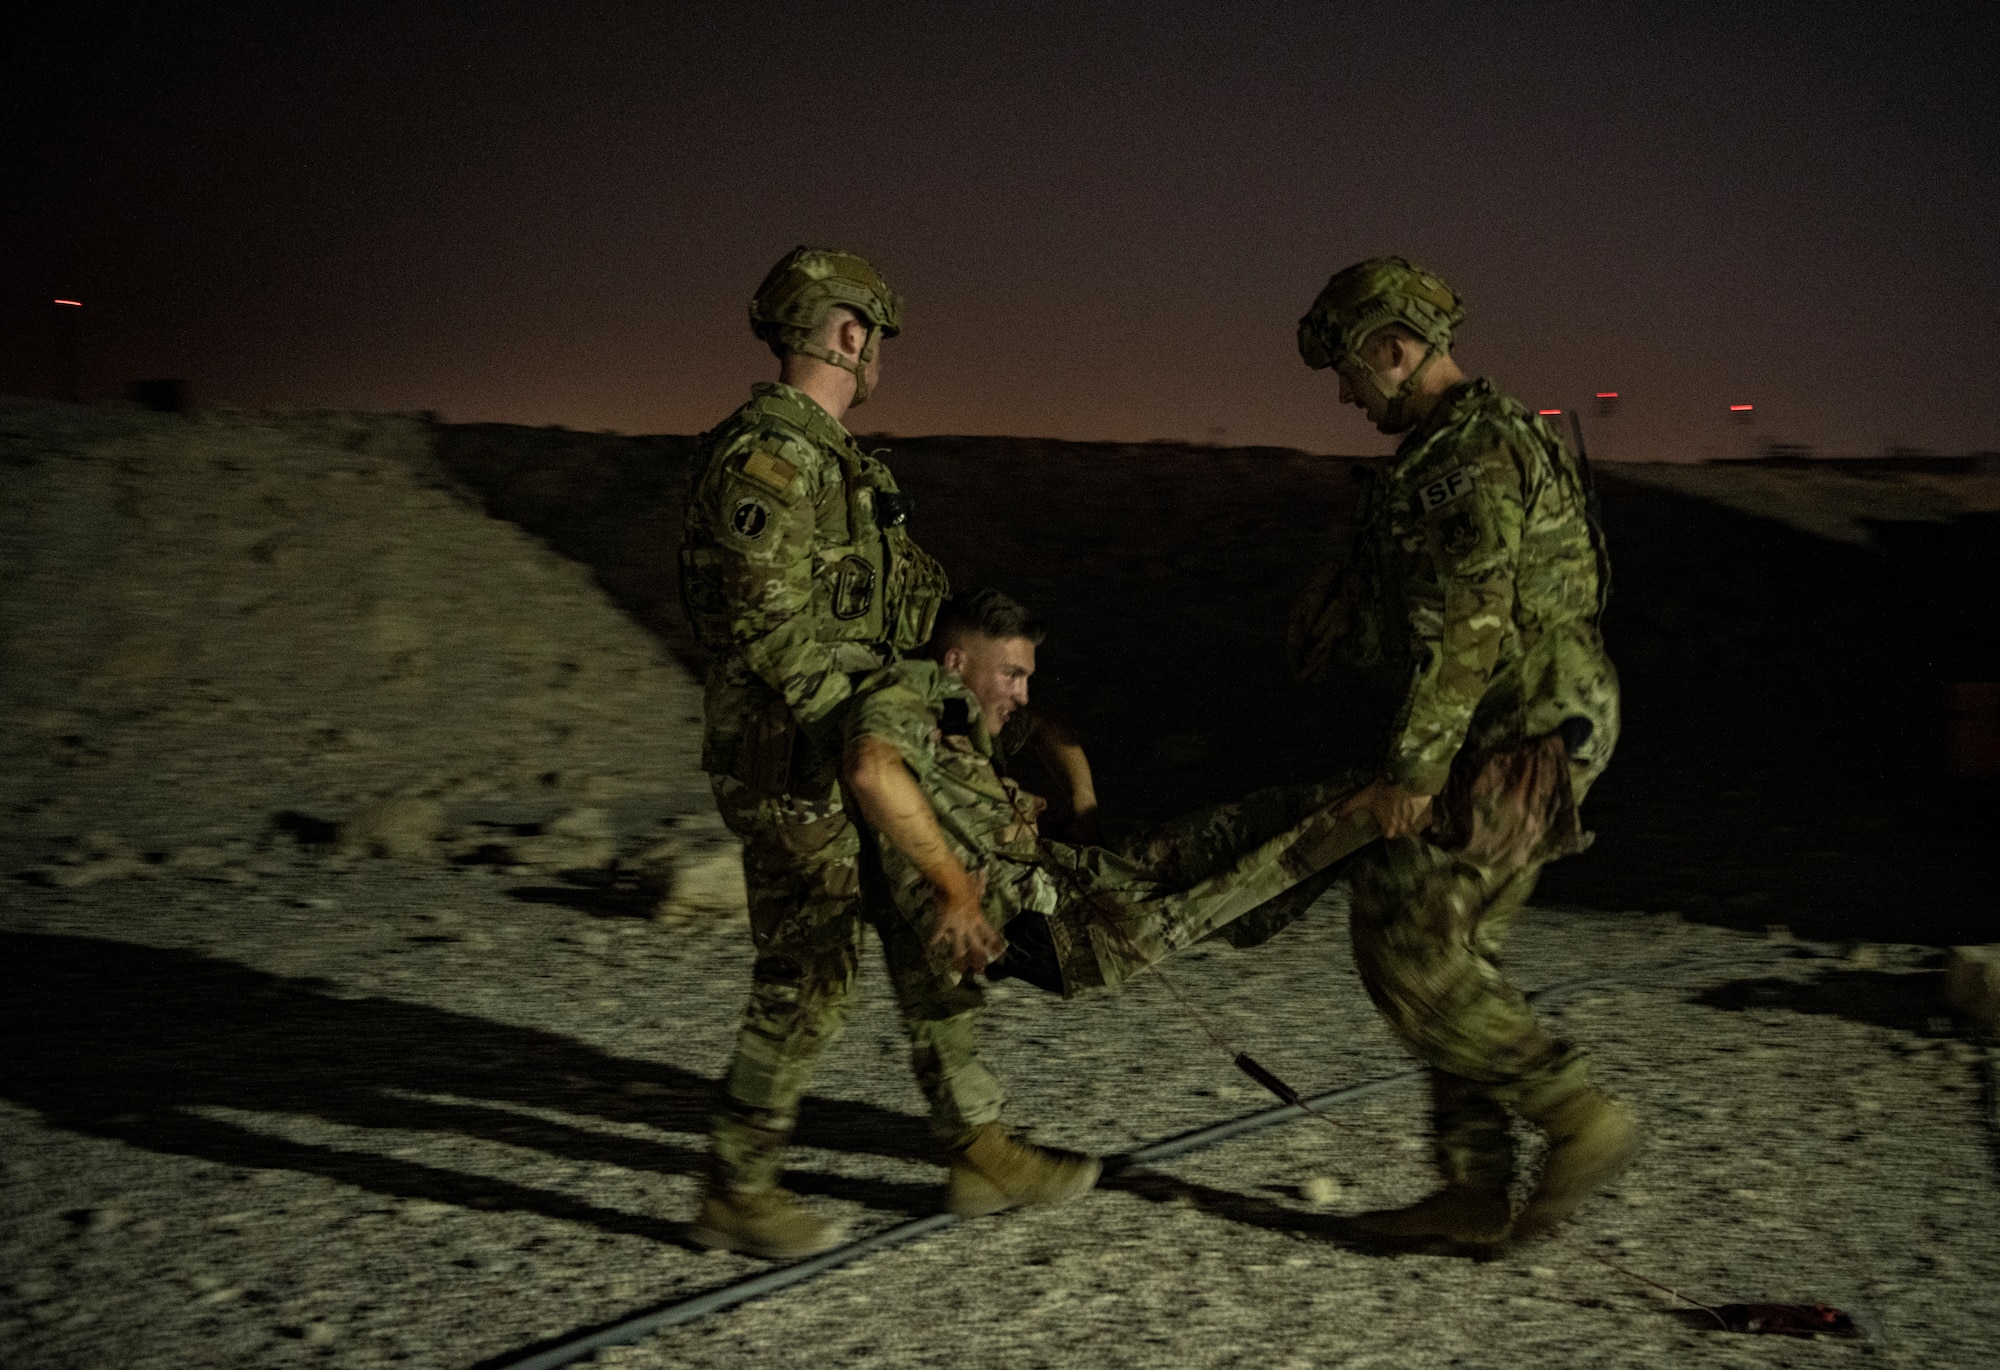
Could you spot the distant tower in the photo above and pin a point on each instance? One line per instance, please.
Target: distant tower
(66, 348)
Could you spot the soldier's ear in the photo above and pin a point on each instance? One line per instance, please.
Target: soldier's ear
(853, 336)
(953, 660)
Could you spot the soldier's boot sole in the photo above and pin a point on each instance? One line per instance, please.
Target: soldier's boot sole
(770, 1223)
(1457, 1219)
(1593, 1140)
(993, 1171)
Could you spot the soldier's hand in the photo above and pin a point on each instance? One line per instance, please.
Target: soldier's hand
(963, 935)
(1397, 811)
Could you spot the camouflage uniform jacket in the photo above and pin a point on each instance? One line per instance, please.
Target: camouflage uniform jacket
(1476, 563)
(933, 721)
(798, 576)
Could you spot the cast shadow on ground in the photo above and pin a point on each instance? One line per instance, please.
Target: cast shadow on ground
(1904, 1000)
(154, 1047)
(1251, 1210)
(598, 900)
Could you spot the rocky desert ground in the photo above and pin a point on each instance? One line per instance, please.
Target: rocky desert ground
(371, 946)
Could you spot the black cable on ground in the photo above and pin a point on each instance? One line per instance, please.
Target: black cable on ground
(636, 1328)
(575, 1346)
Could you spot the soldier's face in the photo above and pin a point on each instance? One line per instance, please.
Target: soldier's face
(996, 670)
(1385, 356)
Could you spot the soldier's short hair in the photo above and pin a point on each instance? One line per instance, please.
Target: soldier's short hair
(1394, 330)
(828, 328)
(987, 613)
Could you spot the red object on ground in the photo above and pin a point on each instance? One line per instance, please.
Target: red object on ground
(1788, 1319)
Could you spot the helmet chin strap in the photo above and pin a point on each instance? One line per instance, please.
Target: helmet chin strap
(858, 367)
(1396, 417)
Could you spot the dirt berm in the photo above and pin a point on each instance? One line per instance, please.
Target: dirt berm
(233, 630)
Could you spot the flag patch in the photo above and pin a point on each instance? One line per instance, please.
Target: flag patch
(770, 470)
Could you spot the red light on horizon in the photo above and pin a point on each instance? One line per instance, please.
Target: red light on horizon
(76, 303)
(1607, 394)
(1741, 408)
(1546, 412)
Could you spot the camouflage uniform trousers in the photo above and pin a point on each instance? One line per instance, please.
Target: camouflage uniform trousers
(1241, 870)
(808, 916)
(1428, 928)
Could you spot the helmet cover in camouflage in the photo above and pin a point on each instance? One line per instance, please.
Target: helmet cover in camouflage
(1368, 295)
(798, 292)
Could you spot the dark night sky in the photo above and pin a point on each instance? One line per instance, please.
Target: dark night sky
(1107, 217)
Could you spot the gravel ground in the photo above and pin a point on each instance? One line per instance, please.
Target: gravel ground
(357, 1112)
(367, 970)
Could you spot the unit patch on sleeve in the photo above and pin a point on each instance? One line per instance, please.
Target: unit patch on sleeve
(748, 519)
(1457, 534)
(1447, 489)
(770, 470)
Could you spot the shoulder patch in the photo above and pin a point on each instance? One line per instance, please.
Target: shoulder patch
(1457, 534)
(748, 519)
(1447, 490)
(770, 470)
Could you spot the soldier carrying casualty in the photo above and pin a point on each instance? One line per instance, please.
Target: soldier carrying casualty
(799, 577)
(1477, 564)
(963, 858)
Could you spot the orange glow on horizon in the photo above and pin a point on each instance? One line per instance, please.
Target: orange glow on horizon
(1546, 412)
(1607, 394)
(77, 303)
(1741, 408)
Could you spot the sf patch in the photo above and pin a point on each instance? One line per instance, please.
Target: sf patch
(1447, 489)
(749, 519)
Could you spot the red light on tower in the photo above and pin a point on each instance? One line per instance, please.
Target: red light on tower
(1741, 408)
(1546, 413)
(65, 354)
(1607, 394)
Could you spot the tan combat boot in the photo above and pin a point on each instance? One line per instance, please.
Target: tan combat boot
(991, 1169)
(1461, 1215)
(1591, 1141)
(763, 1222)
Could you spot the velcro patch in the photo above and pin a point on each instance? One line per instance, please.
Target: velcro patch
(770, 470)
(1448, 489)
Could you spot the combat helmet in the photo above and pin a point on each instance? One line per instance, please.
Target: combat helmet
(1358, 302)
(808, 282)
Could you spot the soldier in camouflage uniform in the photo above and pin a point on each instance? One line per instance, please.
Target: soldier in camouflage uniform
(800, 578)
(964, 859)
(1477, 562)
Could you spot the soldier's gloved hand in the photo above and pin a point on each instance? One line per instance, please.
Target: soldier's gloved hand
(1397, 811)
(963, 936)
